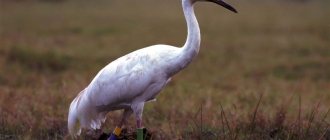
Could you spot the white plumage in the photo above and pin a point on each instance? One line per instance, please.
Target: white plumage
(131, 80)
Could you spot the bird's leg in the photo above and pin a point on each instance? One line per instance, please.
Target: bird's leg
(117, 131)
(138, 109)
(138, 123)
(126, 114)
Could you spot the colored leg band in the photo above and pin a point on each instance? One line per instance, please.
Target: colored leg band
(117, 131)
(139, 134)
(112, 137)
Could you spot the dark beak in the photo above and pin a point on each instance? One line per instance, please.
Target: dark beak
(224, 4)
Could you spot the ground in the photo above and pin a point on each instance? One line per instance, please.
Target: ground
(263, 73)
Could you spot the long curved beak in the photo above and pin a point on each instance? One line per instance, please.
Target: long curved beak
(226, 5)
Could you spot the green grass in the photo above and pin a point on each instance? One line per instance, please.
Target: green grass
(49, 51)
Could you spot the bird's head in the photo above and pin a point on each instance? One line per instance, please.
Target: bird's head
(222, 3)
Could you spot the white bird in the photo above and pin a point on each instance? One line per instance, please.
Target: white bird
(134, 79)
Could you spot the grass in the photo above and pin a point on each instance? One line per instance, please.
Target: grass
(261, 74)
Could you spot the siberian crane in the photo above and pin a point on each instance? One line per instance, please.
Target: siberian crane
(130, 81)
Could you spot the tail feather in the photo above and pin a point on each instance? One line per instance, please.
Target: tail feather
(83, 114)
(73, 121)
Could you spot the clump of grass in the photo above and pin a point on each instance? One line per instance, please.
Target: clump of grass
(258, 125)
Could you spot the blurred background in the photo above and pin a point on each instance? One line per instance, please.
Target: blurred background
(262, 73)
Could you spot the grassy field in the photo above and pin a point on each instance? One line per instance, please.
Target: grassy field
(261, 74)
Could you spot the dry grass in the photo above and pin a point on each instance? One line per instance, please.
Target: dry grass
(261, 74)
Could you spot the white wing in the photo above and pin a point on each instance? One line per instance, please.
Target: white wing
(127, 78)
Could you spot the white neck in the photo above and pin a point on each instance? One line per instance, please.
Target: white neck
(191, 48)
(194, 37)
